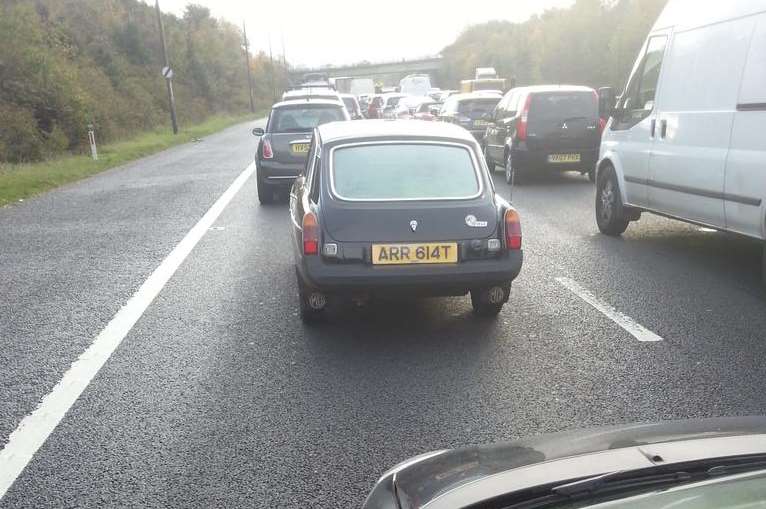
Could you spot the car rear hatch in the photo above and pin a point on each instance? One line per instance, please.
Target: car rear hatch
(290, 148)
(474, 110)
(565, 121)
(406, 192)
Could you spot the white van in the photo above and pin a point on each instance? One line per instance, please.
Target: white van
(687, 137)
(415, 84)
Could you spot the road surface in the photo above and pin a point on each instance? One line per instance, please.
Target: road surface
(218, 395)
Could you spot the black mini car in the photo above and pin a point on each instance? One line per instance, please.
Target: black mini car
(400, 208)
(284, 144)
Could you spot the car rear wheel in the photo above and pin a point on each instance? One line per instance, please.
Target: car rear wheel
(489, 301)
(610, 213)
(490, 163)
(265, 193)
(592, 174)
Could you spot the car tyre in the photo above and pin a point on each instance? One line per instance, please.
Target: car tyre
(611, 216)
(482, 305)
(265, 193)
(512, 172)
(490, 163)
(592, 174)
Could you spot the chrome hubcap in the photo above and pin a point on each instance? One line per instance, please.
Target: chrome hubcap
(607, 199)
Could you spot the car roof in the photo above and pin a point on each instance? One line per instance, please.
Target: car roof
(554, 88)
(303, 102)
(334, 131)
(323, 92)
(477, 95)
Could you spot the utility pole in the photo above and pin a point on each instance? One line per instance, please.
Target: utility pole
(249, 74)
(284, 56)
(271, 61)
(167, 72)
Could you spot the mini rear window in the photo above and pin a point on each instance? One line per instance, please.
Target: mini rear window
(401, 171)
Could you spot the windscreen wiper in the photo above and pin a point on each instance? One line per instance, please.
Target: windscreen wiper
(618, 480)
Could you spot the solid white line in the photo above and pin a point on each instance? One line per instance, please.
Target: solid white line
(34, 429)
(637, 330)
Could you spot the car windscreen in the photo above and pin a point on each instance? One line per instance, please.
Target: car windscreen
(393, 101)
(303, 118)
(403, 171)
(560, 106)
(475, 108)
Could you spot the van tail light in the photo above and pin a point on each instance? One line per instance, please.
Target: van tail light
(266, 151)
(521, 126)
(310, 234)
(512, 230)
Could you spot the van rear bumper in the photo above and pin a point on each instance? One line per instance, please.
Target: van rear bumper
(538, 159)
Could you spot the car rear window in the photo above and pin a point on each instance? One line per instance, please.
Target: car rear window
(559, 106)
(350, 105)
(401, 171)
(475, 108)
(303, 118)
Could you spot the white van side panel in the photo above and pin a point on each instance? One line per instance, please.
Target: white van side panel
(746, 165)
(697, 101)
(687, 14)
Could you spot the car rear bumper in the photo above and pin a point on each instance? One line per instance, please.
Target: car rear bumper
(276, 173)
(452, 279)
(538, 159)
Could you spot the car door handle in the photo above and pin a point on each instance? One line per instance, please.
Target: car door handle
(651, 128)
(663, 128)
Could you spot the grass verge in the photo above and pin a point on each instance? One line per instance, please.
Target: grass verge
(19, 181)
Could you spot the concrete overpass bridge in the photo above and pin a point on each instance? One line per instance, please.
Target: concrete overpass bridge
(388, 72)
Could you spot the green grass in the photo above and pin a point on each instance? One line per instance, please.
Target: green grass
(19, 181)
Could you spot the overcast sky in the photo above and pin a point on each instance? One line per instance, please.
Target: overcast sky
(318, 32)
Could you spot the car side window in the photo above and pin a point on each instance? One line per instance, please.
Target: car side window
(637, 102)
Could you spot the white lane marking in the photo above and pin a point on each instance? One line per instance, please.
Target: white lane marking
(637, 330)
(34, 429)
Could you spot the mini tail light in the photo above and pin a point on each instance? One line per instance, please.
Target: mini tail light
(521, 126)
(512, 230)
(266, 150)
(310, 234)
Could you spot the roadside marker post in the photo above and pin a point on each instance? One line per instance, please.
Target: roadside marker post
(92, 141)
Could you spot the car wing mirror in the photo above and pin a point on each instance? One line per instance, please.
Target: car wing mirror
(258, 131)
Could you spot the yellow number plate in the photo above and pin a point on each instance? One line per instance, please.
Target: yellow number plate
(564, 158)
(402, 254)
(300, 148)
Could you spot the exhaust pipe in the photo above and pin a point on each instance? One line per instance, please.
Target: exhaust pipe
(495, 295)
(317, 301)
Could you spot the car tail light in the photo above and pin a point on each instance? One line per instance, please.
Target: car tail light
(601, 124)
(266, 150)
(521, 126)
(512, 230)
(310, 234)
